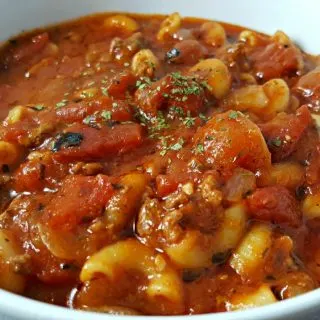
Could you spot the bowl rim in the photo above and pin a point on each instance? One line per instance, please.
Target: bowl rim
(26, 308)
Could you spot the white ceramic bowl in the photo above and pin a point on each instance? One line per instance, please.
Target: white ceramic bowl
(300, 19)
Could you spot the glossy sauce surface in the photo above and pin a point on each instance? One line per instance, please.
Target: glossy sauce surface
(158, 165)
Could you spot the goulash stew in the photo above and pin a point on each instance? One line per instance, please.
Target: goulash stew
(158, 165)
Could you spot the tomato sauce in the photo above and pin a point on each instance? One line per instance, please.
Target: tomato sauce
(158, 165)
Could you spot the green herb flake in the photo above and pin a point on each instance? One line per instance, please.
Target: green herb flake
(176, 90)
(160, 122)
(163, 152)
(276, 142)
(38, 107)
(143, 82)
(203, 117)
(143, 85)
(106, 115)
(184, 98)
(61, 104)
(178, 145)
(178, 110)
(85, 95)
(209, 138)
(194, 89)
(115, 105)
(177, 75)
(199, 148)
(104, 91)
(189, 121)
(233, 115)
(87, 120)
(164, 145)
(141, 116)
(91, 83)
(206, 85)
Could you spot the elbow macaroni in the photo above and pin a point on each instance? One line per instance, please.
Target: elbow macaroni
(278, 94)
(251, 98)
(144, 63)
(249, 255)
(122, 23)
(16, 114)
(9, 153)
(311, 206)
(268, 99)
(249, 37)
(121, 206)
(132, 255)
(9, 279)
(169, 26)
(261, 297)
(281, 38)
(213, 33)
(193, 251)
(232, 229)
(216, 74)
(287, 174)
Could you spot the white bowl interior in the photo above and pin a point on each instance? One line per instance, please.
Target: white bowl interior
(297, 18)
(300, 19)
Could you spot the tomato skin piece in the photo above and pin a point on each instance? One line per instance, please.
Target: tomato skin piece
(166, 184)
(30, 177)
(120, 84)
(274, 61)
(275, 204)
(165, 93)
(101, 143)
(177, 173)
(287, 129)
(79, 198)
(76, 112)
(34, 175)
(190, 52)
(230, 140)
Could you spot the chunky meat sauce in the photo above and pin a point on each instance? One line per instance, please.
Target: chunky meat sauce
(158, 165)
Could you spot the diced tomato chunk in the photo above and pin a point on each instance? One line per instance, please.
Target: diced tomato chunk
(101, 143)
(275, 60)
(166, 184)
(34, 175)
(275, 204)
(308, 88)
(76, 112)
(172, 90)
(29, 129)
(30, 177)
(284, 131)
(230, 140)
(121, 84)
(177, 173)
(80, 198)
(189, 52)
